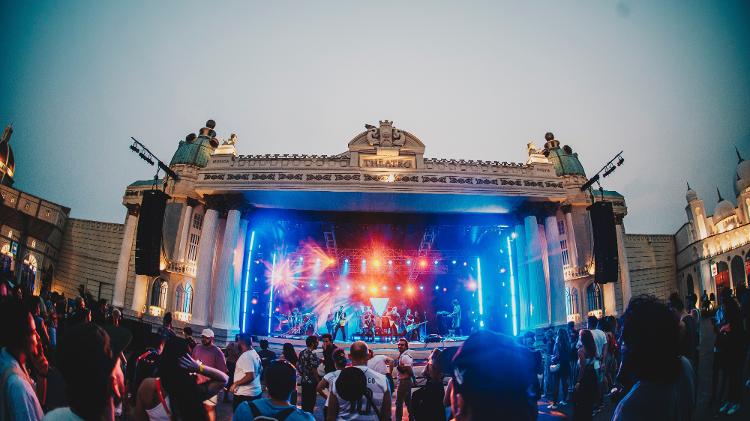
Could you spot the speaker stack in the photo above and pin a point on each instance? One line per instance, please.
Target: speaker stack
(149, 234)
(605, 242)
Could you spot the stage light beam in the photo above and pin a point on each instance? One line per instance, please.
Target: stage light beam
(479, 290)
(512, 287)
(270, 296)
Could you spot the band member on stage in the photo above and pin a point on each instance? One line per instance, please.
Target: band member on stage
(368, 324)
(395, 319)
(340, 320)
(409, 319)
(455, 316)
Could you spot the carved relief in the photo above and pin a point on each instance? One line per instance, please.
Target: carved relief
(385, 136)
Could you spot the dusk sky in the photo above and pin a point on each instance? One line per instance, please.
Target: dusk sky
(668, 82)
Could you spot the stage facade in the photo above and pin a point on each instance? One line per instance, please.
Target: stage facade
(287, 245)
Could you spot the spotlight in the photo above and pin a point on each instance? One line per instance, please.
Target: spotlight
(398, 287)
(376, 263)
(254, 301)
(384, 287)
(502, 270)
(326, 285)
(422, 263)
(421, 287)
(436, 262)
(466, 264)
(513, 235)
(453, 262)
(437, 287)
(373, 289)
(301, 259)
(408, 262)
(620, 161)
(390, 262)
(362, 287)
(134, 149)
(346, 260)
(445, 289)
(410, 290)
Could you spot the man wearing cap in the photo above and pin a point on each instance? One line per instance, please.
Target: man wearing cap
(210, 355)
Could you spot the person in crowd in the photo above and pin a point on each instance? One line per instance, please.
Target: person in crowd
(308, 370)
(175, 394)
(119, 336)
(52, 329)
(732, 344)
(427, 401)
(248, 367)
(266, 355)
(382, 364)
(587, 382)
(600, 339)
(718, 375)
(573, 341)
(695, 313)
(561, 359)
(80, 314)
(328, 348)
(339, 360)
(493, 379)
(95, 383)
(359, 393)
(705, 302)
(20, 343)
(187, 331)
(232, 353)
(99, 312)
(209, 354)
(166, 330)
(404, 365)
(664, 388)
(280, 381)
(290, 355)
(146, 365)
(687, 341)
(548, 341)
(35, 307)
(528, 340)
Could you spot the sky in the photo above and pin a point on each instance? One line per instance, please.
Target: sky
(667, 82)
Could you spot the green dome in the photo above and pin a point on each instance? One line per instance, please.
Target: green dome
(195, 151)
(565, 161)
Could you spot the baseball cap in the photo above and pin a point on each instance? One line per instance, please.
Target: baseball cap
(208, 333)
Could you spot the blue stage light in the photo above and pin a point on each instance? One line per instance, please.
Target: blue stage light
(479, 290)
(246, 284)
(326, 285)
(512, 285)
(346, 260)
(436, 262)
(453, 262)
(437, 287)
(270, 295)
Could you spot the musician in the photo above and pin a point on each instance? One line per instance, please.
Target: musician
(340, 320)
(395, 319)
(455, 316)
(368, 324)
(409, 319)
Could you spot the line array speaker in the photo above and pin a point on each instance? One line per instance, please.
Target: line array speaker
(605, 242)
(148, 236)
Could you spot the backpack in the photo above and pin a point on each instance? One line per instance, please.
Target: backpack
(279, 416)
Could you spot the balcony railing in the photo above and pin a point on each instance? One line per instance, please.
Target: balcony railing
(575, 272)
(183, 268)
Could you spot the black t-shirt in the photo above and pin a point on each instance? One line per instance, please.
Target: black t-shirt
(266, 356)
(328, 364)
(427, 402)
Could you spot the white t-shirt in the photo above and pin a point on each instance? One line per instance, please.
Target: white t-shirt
(378, 363)
(249, 362)
(62, 414)
(361, 411)
(600, 339)
(405, 360)
(331, 379)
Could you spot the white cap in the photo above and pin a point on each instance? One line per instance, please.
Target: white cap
(208, 333)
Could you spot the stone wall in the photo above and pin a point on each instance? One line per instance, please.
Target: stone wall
(651, 260)
(88, 256)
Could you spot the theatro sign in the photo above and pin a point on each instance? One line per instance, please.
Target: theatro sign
(377, 162)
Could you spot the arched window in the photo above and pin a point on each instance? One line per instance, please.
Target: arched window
(594, 297)
(159, 291)
(738, 271)
(183, 298)
(571, 301)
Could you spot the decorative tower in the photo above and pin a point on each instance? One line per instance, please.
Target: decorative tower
(696, 213)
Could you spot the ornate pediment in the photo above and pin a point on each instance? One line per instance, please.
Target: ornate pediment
(384, 138)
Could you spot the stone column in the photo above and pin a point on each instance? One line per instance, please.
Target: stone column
(206, 248)
(556, 274)
(223, 295)
(140, 293)
(186, 221)
(539, 317)
(707, 282)
(571, 237)
(522, 281)
(622, 256)
(123, 262)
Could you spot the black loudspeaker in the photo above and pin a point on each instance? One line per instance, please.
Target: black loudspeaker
(605, 242)
(148, 237)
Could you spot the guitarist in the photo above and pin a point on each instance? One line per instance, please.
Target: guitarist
(409, 319)
(339, 319)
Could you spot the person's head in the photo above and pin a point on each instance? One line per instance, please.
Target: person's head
(312, 342)
(80, 303)
(455, 302)
(675, 303)
(434, 370)
(403, 345)
(571, 326)
(327, 340)
(245, 341)
(180, 386)
(529, 338)
(281, 379)
(93, 377)
(187, 331)
(19, 334)
(358, 353)
(289, 353)
(339, 359)
(691, 300)
(167, 320)
(263, 344)
(587, 342)
(207, 337)
(492, 375)
(593, 322)
(651, 335)
(370, 354)
(116, 317)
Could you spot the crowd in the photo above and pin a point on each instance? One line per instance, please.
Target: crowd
(74, 360)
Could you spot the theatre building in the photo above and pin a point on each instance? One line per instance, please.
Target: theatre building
(249, 241)
(713, 250)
